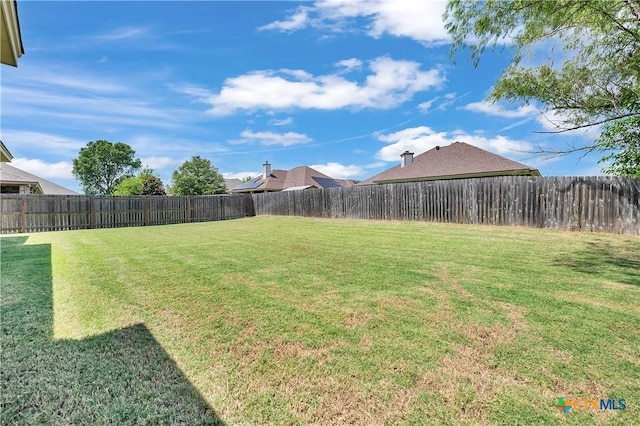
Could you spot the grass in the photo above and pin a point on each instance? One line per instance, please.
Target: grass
(275, 320)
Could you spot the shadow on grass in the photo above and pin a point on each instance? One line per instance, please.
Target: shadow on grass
(120, 377)
(618, 263)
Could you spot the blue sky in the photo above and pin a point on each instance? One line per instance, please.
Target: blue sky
(341, 86)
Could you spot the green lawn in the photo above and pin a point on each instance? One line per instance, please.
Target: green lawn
(277, 320)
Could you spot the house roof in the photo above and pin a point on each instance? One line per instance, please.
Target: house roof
(13, 175)
(456, 161)
(278, 180)
(232, 183)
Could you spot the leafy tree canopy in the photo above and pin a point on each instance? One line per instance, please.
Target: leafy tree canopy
(197, 177)
(152, 185)
(101, 165)
(128, 186)
(593, 80)
(146, 183)
(624, 137)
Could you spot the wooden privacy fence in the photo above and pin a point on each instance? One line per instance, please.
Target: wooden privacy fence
(603, 204)
(37, 213)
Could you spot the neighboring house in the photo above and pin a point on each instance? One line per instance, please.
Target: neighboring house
(10, 38)
(456, 161)
(298, 178)
(16, 181)
(231, 183)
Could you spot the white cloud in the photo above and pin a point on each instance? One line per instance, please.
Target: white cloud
(298, 20)
(450, 99)
(50, 77)
(390, 83)
(157, 163)
(350, 64)
(272, 138)
(281, 122)
(124, 33)
(419, 20)
(423, 138)
(499, 111)
(59, 170)
(339, 171)
(159, 146)
(90, 111)
(551, 121)
(425, 106)
(41, 141)
(191, 90)
(239, 175)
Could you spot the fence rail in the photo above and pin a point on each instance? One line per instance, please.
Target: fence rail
(37, 213)
(602, 204)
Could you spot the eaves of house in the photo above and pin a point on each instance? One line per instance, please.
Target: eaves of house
(11, 47)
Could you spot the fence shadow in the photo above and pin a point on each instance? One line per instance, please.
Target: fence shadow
(620, 263)
(120, 377)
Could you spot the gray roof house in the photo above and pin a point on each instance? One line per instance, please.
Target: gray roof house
(456, 161)
(16, 181)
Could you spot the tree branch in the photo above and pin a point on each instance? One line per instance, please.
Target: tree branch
(606, 120)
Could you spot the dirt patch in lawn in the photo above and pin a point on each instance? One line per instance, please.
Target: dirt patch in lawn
(467, 370)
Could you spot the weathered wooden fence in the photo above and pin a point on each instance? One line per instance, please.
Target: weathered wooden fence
(603, 204)
(36, 213)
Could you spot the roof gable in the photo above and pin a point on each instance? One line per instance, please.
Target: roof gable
(458, 160)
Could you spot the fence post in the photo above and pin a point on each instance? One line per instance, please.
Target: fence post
(91, 218)
(23, 216)
(146, 210)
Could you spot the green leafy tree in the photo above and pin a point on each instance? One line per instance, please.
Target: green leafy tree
(593, 80)
(101, 165)
(623, 136)
(152, 185)
(146, 183)
(197, 177)
(246, 179)
(128, 186)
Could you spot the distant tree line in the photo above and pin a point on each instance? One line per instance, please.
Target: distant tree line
(106, 168)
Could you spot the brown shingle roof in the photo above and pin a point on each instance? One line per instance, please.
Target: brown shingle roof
(455, 161)
(303, 176)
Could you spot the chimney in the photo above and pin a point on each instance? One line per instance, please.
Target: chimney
(266, 170)
(407, 158)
